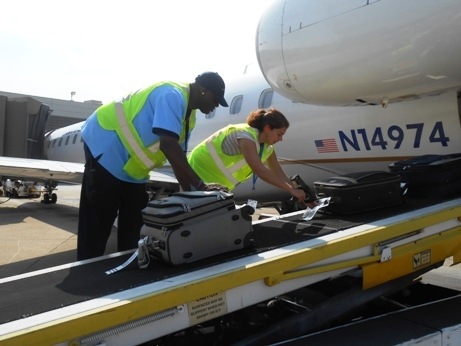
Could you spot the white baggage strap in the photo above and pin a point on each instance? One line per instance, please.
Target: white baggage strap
(123, 265)
(142, 254)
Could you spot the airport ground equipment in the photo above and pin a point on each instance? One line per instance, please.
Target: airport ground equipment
(21, 188)
(380, 251)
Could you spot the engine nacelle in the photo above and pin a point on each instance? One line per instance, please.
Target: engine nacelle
(335, 52)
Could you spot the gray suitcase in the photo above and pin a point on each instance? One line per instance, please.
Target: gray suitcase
(189, 226)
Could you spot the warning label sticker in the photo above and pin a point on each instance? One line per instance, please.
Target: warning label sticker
(421, 259)
(208, 307)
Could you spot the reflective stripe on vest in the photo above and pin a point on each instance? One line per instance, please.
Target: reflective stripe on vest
(217, 159)
(134, 147)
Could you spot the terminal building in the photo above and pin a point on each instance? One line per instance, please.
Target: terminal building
(24, 120)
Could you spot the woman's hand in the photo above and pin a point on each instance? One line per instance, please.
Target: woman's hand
(299, 194)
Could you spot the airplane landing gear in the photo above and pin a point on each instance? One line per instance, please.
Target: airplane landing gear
(50, 197)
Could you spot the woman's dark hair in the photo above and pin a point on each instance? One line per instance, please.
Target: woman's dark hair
(272, 117)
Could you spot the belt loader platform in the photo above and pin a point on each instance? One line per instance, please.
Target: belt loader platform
(78, 304)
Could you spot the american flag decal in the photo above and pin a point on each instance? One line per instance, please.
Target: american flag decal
(326, 145)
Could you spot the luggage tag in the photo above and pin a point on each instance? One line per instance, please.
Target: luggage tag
(310, 212)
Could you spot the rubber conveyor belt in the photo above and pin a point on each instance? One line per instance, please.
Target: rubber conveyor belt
(28, 296)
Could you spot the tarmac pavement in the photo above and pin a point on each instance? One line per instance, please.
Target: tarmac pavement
(35, 235)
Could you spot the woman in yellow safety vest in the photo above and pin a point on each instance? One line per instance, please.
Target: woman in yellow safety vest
(237, 152)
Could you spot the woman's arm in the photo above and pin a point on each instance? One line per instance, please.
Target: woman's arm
(275, 167)
(277, 178)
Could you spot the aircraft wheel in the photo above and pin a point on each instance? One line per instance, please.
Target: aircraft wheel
(15, 194)
(46, 198)
(54, 198)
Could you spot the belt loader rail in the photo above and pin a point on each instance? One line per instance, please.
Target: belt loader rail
(162, 302)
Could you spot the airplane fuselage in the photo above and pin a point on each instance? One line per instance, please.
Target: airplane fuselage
(360, 52)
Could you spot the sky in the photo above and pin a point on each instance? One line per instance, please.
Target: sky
(103, 49)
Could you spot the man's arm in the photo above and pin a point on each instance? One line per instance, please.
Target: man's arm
(186, 176)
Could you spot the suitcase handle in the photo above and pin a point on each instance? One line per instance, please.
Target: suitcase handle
(203, 194)
(342, 178)
(171, 202)
(310, 195)
(364, 177)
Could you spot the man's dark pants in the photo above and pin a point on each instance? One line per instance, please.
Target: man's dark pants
(104, 197)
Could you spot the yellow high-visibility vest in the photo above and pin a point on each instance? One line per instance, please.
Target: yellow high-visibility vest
(213, 166)
(119, 117)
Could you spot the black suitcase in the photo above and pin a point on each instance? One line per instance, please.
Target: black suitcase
(360, 191)
(430, 175)
(188, 226)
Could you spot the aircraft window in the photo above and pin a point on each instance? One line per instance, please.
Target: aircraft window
(67, 140)
(60, 142)
(265, 100)
(49, 145)
(75, 138)
(236, 104)
(81, 139)
(53, 143)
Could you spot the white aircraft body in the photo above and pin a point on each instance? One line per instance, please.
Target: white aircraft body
(360, 90)
(348, 53)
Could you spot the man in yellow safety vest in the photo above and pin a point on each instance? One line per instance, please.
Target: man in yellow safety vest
(123, 142)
